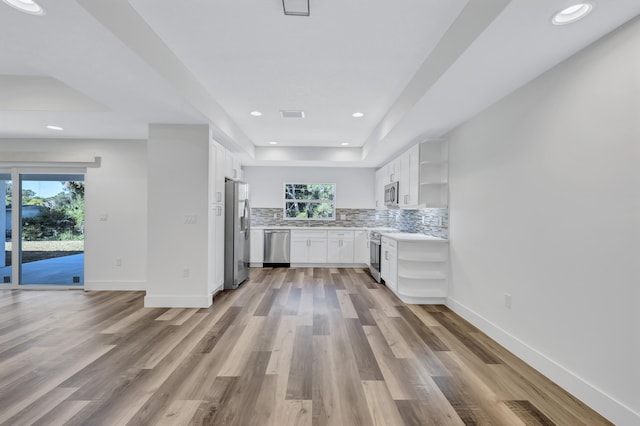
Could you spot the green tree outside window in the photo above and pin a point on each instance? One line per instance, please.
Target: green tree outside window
(309, 201)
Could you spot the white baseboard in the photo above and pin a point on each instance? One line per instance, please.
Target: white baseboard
(607, 406)
(422, 300)
(177, 301)
(115, 285)
(329, 265)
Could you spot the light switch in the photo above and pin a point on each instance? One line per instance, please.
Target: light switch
(190, 219)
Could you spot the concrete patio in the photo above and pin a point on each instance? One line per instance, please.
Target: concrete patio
(57, 271)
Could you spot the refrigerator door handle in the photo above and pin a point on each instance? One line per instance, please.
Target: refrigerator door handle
(246, 214)
(245, 219)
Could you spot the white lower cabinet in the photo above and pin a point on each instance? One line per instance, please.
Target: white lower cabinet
(216, 247)
(340, 248)
(361, 252)
(315, 246)
(299, 249)
(415, 270)
(256, 255)
(388, 263)
(308, 246)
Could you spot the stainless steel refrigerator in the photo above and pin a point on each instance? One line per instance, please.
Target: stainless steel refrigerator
(237, 226)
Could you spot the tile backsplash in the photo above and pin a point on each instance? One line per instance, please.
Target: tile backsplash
(365, 218)
(433, 222)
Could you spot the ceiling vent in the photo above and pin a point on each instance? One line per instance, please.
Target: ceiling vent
(291, 114)
(296, 7)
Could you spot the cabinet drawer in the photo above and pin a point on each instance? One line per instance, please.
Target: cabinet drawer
(341, 235)
(388, 242)
(308, 234)
(420, 251)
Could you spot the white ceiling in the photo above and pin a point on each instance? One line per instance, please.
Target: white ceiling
(415, 68)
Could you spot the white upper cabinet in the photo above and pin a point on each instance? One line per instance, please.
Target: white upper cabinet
(394, 170)
(409, 178)
(233, 169)
(434, 173)
(422, 175)
(217, 158)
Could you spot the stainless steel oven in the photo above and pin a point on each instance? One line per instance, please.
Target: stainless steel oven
(374, 255)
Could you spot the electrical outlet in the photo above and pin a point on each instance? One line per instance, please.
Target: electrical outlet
(185, 273)
(507, 300)
(119, 261)
(275, 215)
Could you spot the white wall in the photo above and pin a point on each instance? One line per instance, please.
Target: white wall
(545, 205)
(117, 188)
(354, 186)
(178, 164)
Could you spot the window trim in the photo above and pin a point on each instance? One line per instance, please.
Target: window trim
(321, 219)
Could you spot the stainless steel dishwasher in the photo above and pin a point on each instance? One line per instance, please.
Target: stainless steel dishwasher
(276, 247)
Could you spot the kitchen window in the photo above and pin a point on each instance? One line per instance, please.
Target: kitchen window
(309, 201)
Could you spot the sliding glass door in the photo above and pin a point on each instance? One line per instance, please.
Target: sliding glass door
(5, 223)
(52, 229)
(42, 218)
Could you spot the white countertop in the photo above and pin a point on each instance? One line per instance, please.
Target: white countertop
(404, 236)
(326, 228)
(386, 232)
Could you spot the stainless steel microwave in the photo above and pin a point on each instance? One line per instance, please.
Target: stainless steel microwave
(391, 195)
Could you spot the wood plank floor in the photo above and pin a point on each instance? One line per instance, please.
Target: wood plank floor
(289, 347)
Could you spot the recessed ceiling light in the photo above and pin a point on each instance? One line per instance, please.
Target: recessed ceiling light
(256, 113)
(54, 128)
(572, 13)
(344, 143)
(273, 143)
(357, 114)
(26, 6)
